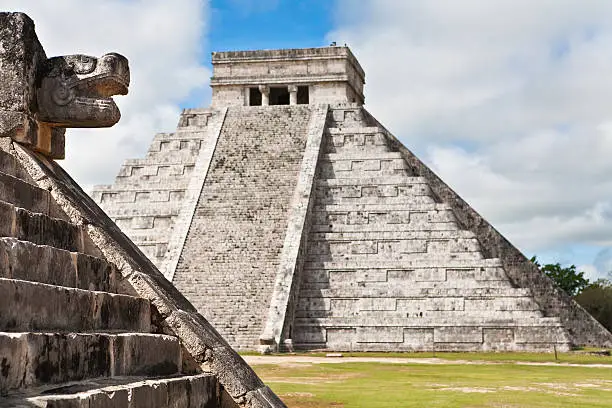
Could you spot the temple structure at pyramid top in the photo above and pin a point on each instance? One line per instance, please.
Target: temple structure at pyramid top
(286, 77)
(292, 219)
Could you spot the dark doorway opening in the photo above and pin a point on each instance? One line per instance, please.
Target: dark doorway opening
(254, 97)
(302, 96)
(279, 96)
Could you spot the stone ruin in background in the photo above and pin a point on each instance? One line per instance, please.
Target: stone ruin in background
(86, 320)
(292, 219)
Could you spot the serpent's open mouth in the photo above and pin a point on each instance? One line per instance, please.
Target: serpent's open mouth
(80, 90)
(110, 76)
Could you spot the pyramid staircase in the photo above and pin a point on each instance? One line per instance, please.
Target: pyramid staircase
(69, 333)
(148, 193)
(238, 168)
(86, 320)
(388, 267)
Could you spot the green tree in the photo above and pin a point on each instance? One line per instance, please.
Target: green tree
(567, 278)
(597, 300)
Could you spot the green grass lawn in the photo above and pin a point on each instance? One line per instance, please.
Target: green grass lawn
(373, 385)
(573, 357)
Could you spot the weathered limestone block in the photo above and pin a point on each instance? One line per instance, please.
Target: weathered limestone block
(29, 306)
(39, 358)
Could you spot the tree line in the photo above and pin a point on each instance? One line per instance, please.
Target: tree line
(595, 297)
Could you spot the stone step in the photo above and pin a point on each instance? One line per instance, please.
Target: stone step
(418, 346)
(196, 118)
(300, 323)
(193, 391)
(360, 156)
(365, 193)
(372, 181)
(139, 225)
(176, 155)
(317, 283)
(329, 173)
(153, 168)
(344, 305)
(139, 195)
(395, 291)
(404, 200)
(365, 254)
(385, 228)
(190, 144)
(146, 229)
(25, 195)
(377, 275)
(33, 306)
(361, 130)
(382, 206)
(353, 168)
(32, 359)
(149, 236)
(155, 209)
(159, 161)
(26, 261)
(355, 146)
(152, 181)
(11, 166)
(178, 135)
(352, 116)
(414, 316)
(389, 235)
(399, 264)
(394, 248)
(130, 188)
(42, 229)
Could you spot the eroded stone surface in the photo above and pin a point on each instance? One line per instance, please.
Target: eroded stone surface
(42, 96)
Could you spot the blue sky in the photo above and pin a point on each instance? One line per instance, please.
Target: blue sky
(507, 100)
(266, 24)
(269, 24)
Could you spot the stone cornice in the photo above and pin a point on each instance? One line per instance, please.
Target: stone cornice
(293, 54)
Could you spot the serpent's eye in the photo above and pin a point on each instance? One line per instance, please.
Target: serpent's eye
(84, 64)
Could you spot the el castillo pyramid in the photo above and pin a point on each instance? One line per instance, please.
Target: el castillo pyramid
(292, 219)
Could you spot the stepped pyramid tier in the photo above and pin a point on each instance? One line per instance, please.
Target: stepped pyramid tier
(304, 224)
(86, 320)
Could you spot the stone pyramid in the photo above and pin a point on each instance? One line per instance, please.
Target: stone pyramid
(86, 320)
(292, 219)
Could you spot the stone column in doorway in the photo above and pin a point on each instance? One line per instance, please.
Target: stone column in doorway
(265, 95)
(293, 90)
(246, 93)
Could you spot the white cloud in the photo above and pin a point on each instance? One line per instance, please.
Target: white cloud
(590, 272)
(163, 41)
(507, 100)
